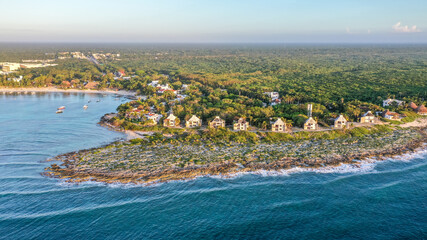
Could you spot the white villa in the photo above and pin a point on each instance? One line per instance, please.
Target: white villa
(310, 124)
(340, 122)
(194, 121)
(241, 125)
(155, 117)
(171, 121)
(272, 95)
(217, 122)
(368, 117)
(278, 126)
(390, 101)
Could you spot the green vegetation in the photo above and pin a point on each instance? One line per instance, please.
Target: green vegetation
(230, 81)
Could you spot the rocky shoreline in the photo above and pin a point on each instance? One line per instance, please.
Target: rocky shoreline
(142, 163)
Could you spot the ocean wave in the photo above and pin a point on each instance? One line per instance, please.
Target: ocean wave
(386, 185)
(73, 210)
(43, 192)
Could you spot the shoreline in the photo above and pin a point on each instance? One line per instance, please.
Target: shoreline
(59, 90)
(75, 174)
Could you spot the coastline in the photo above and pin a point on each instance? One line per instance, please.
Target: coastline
(75, 173)
(59, 90)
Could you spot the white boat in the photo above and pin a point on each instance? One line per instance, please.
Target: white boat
(59, 111)
(98, 100)
(85, 106)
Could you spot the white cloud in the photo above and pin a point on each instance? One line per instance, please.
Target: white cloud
(398, 27)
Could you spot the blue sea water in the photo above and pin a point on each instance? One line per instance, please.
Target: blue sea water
(379, 200)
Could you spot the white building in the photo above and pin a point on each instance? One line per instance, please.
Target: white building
(154, 117)
(278, 126)
(194, 121)
(272, 95)
(390, 101)
(340, 122)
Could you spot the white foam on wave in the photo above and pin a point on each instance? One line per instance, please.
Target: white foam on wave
(364, 166)
(407, 157)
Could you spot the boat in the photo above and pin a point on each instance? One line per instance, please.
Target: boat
(98, 100)
(89, 101)
(85, 106)
(59, 111)
(61, 108)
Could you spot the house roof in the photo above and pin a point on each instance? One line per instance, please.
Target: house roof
(340, 118)
(421, 109)
(217, 119)
(241, 121)
(171, 117)
(194, 118)
(413, 105)
(310, 120)
(279, 121)
(390, 113)
(368, 114)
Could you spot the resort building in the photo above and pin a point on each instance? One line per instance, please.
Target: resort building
(389, 102)
(310, 124)
(340, 122)
(391, 115)
(241, 125)
(422, 110)
(194, 121)
(368, 117)
(217, 122)
(171, 121)
(154, 117)
(272, 95)
(278, 126)
(10, 67)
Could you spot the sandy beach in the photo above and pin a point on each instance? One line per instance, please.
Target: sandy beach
(54, 89)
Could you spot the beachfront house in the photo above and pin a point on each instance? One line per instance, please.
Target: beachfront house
(217, 123)
(171, 121)
(194, 121)
(241, 125)
(422, 110)
(368, 117)
(340, 122)
(154, 117)
(389, 102)
(278, 126)
(310, 124)
(391, 115)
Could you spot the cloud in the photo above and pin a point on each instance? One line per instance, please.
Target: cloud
(405, 29)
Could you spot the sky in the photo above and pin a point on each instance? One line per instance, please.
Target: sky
(214, 21)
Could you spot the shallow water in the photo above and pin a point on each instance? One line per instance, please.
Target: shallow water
(379, 200)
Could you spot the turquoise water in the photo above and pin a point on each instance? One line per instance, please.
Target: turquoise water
(385, 200)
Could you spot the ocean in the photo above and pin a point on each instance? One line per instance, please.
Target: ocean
(377, 200)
